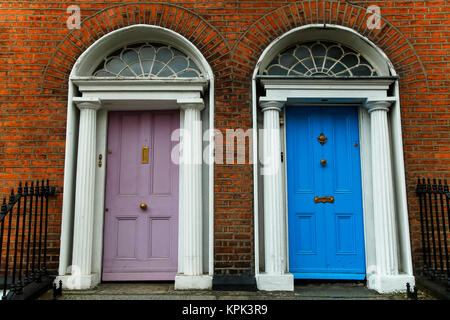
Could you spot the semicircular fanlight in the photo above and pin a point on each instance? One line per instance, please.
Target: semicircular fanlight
(148, 60)
(320, 59)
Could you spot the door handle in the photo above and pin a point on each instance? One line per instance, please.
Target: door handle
(324, 199)
(143, 206)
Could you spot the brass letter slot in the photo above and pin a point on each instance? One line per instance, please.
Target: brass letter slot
(144, 155)
(324, 199)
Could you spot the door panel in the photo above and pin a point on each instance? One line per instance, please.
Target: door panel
(161, 172)
(129, 143)
(126, 242)
(305, 238)
(141, 244)
(326, 240)
(159, 234)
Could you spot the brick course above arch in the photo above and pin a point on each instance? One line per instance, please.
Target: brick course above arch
(277, 22)
(176, 18)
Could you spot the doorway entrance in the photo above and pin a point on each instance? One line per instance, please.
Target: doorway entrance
(325, 212)
(141, 202)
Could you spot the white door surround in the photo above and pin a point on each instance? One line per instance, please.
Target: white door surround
(386, 229)
(84, 179)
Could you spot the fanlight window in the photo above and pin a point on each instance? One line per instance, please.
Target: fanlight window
(149, 60)
(320, 59)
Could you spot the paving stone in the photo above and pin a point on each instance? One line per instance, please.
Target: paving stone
(166, 291)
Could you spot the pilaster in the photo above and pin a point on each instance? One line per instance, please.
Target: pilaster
(85, 195)
(190, 274)
(385, 276)
(275, 276)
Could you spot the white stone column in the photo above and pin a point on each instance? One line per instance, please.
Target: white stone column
(275, 276)
(384, 277)
(190, 274)
(181, 199)
(81, 276)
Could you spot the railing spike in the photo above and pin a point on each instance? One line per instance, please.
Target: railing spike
(11, 197)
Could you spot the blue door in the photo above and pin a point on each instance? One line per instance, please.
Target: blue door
(326, 239)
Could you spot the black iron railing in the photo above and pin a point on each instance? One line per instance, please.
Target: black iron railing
(434, 206)
(23, 241)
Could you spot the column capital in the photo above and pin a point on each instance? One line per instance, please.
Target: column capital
(87, 103)
(197, 104)
(373, 105)
(271, 105)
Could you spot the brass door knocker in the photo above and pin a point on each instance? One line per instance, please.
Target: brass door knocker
(322, 139)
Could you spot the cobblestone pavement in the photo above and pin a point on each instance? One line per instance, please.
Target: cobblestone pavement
(165, 291)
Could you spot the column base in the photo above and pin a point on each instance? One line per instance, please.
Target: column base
(273, 282)
(78, 282)
(185, 282)
(389, 284)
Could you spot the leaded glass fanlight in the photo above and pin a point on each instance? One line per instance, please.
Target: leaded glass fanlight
(320, 59)
(148, 60)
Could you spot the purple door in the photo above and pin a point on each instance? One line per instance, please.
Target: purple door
(141, 205)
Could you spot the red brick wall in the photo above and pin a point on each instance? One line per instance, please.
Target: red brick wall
(38, 52)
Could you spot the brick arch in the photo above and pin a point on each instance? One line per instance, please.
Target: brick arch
(203, 35)
(388, 38)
